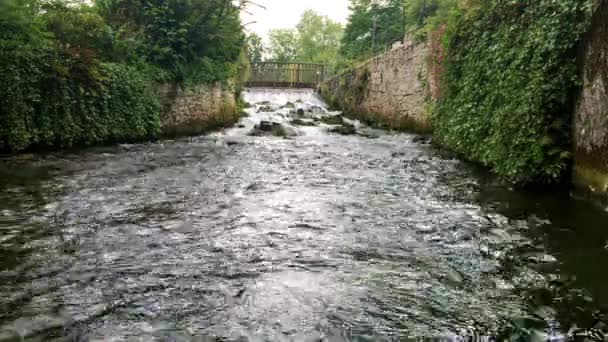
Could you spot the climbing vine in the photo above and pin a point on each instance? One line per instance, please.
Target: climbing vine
(45, 104)
(509, 72)
(83, 74)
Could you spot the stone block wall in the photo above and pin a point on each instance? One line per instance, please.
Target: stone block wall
(389, 88)
(591, 113)
(198, 109)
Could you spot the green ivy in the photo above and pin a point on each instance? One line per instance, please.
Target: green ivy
(79, 75)
(49, 101)
(510, 70)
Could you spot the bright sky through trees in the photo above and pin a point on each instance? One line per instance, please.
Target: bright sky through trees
(287, 13)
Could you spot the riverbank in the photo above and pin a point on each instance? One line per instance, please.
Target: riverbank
(173, 110)
(388, 90)
(71, 76)
(504, 108)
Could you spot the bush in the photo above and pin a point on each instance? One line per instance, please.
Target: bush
(81, 75)
(50, 101)
(510, 68)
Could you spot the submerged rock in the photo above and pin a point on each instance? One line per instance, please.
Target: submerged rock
(300, 122)
(289, 105)
(368, 135)
(541, 258)
(309, 108)
(422, 139)
(268, 128)
(333, 120)
(345, 129)
(316, 109)
(265, 109)
(454, 277)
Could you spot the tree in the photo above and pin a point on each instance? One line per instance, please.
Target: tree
(178, 35)
(372, 26)
(255, 48)
(283, 45)
(318, 38)
(76, 74)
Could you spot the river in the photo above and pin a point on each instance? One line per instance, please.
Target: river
(317, 236)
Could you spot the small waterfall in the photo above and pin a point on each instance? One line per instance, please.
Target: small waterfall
(283, 96)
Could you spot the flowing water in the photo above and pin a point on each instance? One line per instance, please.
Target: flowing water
(316, 236)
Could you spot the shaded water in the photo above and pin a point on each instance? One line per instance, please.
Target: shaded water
(320, 235)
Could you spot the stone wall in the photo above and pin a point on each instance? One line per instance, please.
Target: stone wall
(591, 113)
(390, 88)
(197, 109)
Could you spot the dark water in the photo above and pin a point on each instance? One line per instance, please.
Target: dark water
(321, 235)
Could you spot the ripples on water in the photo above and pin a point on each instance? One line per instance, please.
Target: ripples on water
(260, 237)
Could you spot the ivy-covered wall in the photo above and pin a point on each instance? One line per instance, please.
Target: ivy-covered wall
(87, 73)
(50, 100)
(509, 84)
(591, 115)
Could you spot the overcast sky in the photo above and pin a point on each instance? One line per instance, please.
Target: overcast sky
(286, 13)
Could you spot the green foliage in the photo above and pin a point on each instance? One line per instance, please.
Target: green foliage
(179, 35)
(18, 20)
(75, 27)
(255, 48)
(44, 105)
(73, 74)
(315, 40)
(509, 71)
(372, 27)
(283, 45)
(318, 38)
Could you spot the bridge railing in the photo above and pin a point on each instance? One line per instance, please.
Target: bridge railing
(286, 75)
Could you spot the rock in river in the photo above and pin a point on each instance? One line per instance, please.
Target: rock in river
(300, 122)
(268, 128)
(333, 120)
(345, 129)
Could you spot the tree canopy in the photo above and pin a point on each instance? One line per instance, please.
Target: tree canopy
(319, 38)
(375, 25)
(255, 48)
(371, 26)
(315, 39)
(178, 35)
(80, 73)
(283, 45)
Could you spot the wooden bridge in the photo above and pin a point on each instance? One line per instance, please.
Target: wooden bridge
(286, 75)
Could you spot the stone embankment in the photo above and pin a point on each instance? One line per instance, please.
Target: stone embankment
(591, 113)
(389, 89)
(394, 88)
(198, 109)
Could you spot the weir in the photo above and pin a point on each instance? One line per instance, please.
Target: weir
(286, 75)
